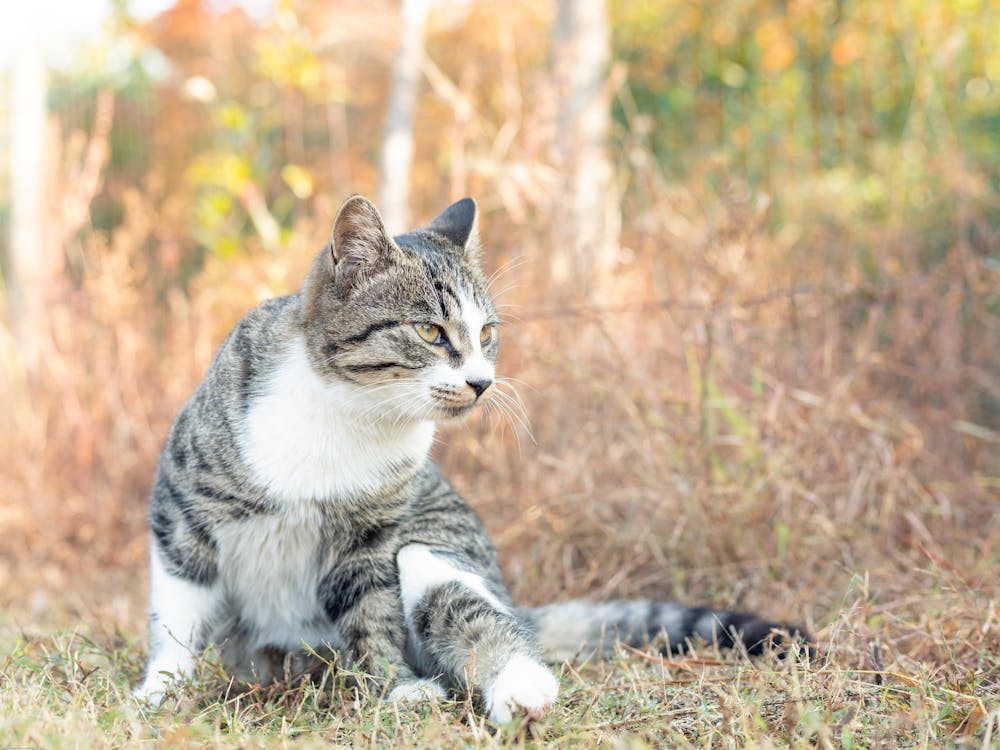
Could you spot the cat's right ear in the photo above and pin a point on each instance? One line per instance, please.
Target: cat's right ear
(459, 224)
(360, 246)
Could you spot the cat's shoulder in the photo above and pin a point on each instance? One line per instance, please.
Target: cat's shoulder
(270, 318)
(262, 332)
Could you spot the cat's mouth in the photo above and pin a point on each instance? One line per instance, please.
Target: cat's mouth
(454, 410)
(452, 404)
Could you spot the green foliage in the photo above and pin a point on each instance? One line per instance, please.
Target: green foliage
(854, 107)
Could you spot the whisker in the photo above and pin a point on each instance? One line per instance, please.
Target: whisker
(510, 380)
(491, 409)
(406, 392)
(503, 270)
(507, 381)
(508, 417)
(509, 287)
(507, 318)
(512, 404)
(518, 414)
(509, 408)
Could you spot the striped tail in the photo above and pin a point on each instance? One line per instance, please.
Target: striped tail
(577, 629)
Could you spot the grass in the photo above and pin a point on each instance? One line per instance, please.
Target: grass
(70, 690)
(63, 689)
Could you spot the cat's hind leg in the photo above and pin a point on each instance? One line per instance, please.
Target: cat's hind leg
(463, 629)
(180, 614)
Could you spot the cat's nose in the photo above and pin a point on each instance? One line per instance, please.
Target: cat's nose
(479, 386)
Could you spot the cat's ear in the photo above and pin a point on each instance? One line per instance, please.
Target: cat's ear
(459, 224)
(359, 244)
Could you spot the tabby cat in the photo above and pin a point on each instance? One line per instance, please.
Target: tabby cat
(295, 503)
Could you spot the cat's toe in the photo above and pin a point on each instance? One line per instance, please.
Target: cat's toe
(151, 691)
(523, 687)
(417, 691)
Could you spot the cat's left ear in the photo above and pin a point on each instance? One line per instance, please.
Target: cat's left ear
(459, 224)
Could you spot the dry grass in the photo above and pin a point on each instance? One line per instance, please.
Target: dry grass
(745, 449)
(72, 690)
(796, 416)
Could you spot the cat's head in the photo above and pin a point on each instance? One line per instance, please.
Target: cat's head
(406, 318)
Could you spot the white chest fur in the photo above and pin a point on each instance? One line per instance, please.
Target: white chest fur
(270, 568)
(305, 439)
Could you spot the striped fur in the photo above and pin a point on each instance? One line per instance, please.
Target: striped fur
(295, 503)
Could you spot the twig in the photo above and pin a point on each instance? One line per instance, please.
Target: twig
(676, 303)
(687, 664)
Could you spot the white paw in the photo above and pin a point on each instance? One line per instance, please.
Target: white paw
(417, 691)
(152, 690)
(523, 686)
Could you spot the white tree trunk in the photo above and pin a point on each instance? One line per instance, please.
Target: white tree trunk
(587, 244)
(397, 143)
(28, 266)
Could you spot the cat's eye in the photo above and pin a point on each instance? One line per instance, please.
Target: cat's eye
(429, 332)
(486, 335)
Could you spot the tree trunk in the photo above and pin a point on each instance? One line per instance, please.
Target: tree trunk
(28, 267)
(397, 142)
(587, 219)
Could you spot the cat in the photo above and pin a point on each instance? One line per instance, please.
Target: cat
(295, 504)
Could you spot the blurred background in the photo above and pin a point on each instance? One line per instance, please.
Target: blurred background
(748, 252)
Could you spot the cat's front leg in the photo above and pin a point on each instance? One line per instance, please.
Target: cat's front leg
(471, 634)
(180, 614)
(362, 600)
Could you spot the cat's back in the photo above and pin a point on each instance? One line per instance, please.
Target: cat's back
(242, 363)
(201, 478)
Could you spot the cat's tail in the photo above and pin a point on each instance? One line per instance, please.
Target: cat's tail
(576, 629)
